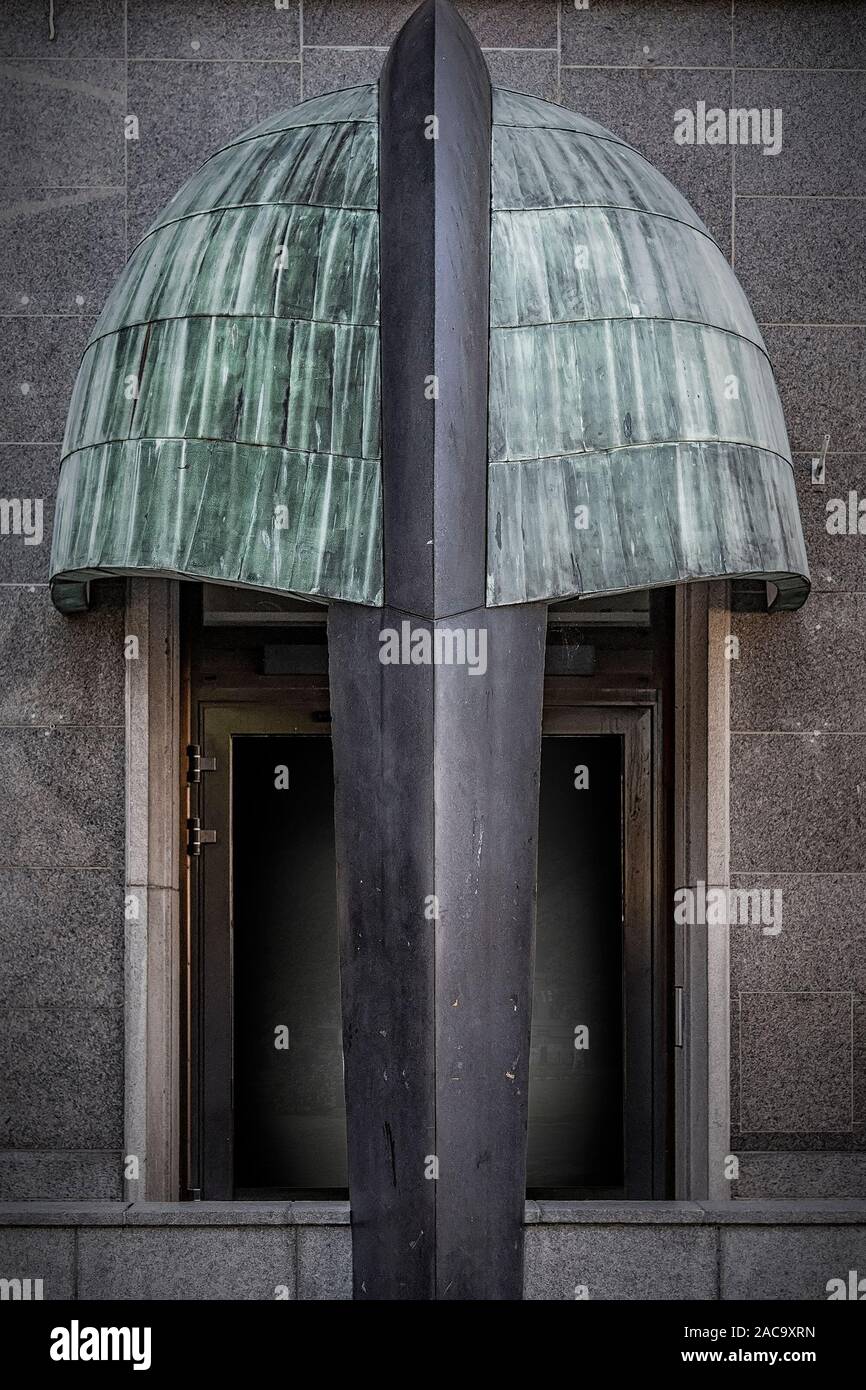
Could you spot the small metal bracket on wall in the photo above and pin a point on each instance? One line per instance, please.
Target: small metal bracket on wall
(819, 464)
(196, 764)
(196, 837)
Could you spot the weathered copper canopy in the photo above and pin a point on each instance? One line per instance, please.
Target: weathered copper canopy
(225, 423)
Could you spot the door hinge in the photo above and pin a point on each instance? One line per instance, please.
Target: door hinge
(196, 837)
(196, 764)
(679, 1015)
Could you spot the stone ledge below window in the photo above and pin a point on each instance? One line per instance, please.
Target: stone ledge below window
(785, 1212)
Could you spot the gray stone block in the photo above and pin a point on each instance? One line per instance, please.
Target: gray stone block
(61, 124)
(796, 1061)
(63, 803)
(209, 1214)
(640, 106)
(801, 1175)
(82, 29)
(858, 1078)
(61, 938)
(39, 359)
(792, 808)
(66, 670)
(816, 1212)
(794, 258)
(59, 1176)
(777, 34)
(353, 23)
(27, 472)
(533, 73)
(324, 1262)
(849, 1140)
(495, 23)
(761, 1263)
(61, 1085)
(512, 23)
(216, 29)
(823, 149)
(186, 1263)
(821, 375)
(822, 944)
(329, 69)
(320, 1213)
(633, 32)
(48, 1255)
(186, 111)
(61, 250)
(615, 1213)
(802, 671)
(837, 562)
(612, 1262)
(60, 1213)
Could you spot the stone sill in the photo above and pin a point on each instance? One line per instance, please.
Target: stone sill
(783, 1212)
(174, 1213)
(830, 1211)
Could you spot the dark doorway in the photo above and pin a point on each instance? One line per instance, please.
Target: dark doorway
(289, 1110)
(576, 1072)
(265, 1097)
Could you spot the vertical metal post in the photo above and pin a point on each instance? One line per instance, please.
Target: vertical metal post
(436, 707)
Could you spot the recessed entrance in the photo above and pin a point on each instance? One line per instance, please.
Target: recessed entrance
(267, 1084)
(590, 1111)
(289, 1107)
(576, 1084)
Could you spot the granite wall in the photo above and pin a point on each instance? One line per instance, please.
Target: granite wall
(74, 196)
(303, 1250)
(798, 715)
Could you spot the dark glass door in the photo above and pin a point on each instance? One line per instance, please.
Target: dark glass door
(270, 1093)
(576, 1062)
(289, 1110)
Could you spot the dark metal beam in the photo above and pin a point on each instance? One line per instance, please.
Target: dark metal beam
(434, 197)
(436, 807)
(436, 761)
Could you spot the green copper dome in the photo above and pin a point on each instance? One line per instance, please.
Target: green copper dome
(225, 423)
(636, 435)
(225, 420)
